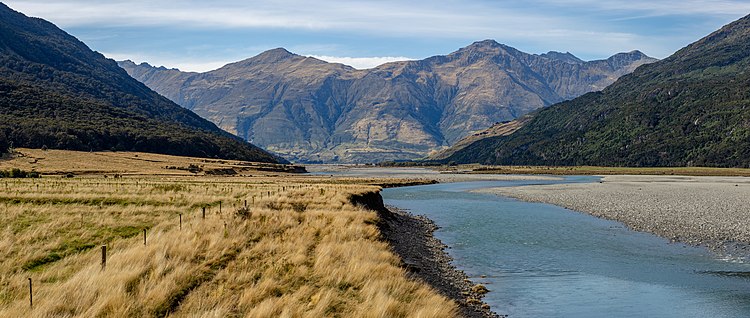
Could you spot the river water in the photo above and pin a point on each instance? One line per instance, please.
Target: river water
(540, 260)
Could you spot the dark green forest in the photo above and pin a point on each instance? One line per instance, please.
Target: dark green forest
(57, 93)
(690, 109)
(3, 143)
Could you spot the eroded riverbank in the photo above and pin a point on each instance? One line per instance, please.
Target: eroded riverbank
(411, 237)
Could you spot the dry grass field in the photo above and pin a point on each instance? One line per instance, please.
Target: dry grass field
(60, 162)
(299, 249)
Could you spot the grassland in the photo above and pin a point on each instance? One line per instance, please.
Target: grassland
(61, 162)
(301, 248)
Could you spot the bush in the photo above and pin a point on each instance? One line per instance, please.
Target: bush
(243, 213)
(18, 173)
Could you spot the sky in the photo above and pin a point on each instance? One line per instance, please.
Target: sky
(197, 35)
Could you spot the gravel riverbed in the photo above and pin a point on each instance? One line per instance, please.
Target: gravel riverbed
(708, 211)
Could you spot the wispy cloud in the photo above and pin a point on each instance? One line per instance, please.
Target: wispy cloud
(420, 16)
(361, 63)
(653, 8)
(397, 18)
(400, 19)
(183, 64)
(207, 64)
(588, 28)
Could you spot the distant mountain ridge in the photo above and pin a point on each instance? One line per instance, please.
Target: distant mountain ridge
(55, 92)
(690, 109)
(313, 111)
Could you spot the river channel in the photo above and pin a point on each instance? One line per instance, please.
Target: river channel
(540, 260)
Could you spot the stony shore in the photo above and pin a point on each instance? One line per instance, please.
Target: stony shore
(708, 211)
(424, 256)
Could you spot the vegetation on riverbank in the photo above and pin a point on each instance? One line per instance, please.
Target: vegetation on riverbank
(591, 170)
(573, 170)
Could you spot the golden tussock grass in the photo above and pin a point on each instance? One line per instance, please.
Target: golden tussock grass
(125, 163)
(303, 250)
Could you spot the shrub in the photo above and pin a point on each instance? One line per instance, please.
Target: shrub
(18, 173)
(243, 213)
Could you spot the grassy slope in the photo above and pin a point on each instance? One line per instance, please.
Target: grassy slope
(305, 250)
(691, 109)
(126, 163)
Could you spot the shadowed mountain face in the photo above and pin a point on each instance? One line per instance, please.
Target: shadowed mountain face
(313, 111)
(55, 92)
(690, 109)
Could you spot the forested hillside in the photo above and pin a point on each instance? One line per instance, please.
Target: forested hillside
(55, 92)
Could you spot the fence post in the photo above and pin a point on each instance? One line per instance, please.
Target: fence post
(219, 207)
(204, 212)
(144, 237)
(180, 221)
(31, 295)
(104, 256)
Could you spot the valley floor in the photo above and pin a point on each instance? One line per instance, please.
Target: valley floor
(270, 244)
(711, 211)
(182, 241)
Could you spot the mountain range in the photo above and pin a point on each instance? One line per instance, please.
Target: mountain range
(55, 92)
(690, 109)
(308, 110)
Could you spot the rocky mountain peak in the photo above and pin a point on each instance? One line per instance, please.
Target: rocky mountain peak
(271, 56)
(565, 57)
(489, 47)
(481, 51)
(620, 60)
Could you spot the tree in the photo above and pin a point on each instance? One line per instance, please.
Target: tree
(4, 145)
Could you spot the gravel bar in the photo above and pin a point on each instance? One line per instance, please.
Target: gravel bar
(707, 211)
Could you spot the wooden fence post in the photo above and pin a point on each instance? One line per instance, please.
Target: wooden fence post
(180, 221)
(31, 295)
(144, 237)
(104, 256)
(204, 212)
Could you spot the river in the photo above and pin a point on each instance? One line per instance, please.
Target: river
(540, 260)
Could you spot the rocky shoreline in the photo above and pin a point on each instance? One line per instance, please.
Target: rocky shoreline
(425, 258)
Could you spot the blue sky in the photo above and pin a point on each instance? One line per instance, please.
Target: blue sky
(203, 35)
